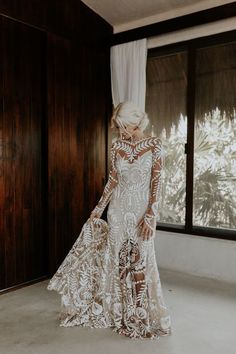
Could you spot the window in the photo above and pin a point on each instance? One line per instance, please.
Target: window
(191, 103)
(166, 107)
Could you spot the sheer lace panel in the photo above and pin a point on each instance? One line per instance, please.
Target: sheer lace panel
(110, 185)
(131, 151)
(156, 173)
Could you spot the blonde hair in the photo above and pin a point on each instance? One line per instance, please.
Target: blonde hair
(128, 113)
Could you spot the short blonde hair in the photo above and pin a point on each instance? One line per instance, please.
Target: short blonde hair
(128, 113)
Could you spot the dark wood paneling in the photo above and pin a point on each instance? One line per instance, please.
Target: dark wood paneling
(78, 88)
(23, 241)
(65, 146)
(177, 23)
(76, 83)
(69, 18)
(2, 236)
(96, 105)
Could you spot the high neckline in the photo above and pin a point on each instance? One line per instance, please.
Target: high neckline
(134, 141)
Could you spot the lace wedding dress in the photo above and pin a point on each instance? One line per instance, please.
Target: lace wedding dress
(110, 276)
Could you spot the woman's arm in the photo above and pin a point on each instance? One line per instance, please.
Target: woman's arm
(149, 220)
(108, 189)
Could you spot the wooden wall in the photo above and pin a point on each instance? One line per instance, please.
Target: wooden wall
(22, 112)
(55, 102)
(77, 110)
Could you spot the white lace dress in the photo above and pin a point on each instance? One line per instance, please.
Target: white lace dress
(110, 276)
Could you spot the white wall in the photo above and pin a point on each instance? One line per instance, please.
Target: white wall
(207, 29)
(166, 15)
(193, 254)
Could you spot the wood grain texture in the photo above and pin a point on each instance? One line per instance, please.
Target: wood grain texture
(77, 112)
(55, 104)
(22, 237)
(66, 18)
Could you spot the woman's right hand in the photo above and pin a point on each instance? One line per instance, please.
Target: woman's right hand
(94, 214)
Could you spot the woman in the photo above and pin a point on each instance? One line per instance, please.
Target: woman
(110, 276)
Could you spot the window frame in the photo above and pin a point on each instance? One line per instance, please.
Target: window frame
(191, 46)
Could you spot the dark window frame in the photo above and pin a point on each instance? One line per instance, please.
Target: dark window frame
(191, 46)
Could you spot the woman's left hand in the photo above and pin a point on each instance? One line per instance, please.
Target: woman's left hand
(147, 230)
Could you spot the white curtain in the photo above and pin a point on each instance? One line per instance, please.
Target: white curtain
(128, 72)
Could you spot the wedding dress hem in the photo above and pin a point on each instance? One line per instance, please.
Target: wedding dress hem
(72, 320)
(158, 333)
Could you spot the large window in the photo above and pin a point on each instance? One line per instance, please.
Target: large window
(166, 107)
(191, 102)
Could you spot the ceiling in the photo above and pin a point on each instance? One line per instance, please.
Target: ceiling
(127, 14)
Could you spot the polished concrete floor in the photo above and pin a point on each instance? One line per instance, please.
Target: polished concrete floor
(203, 322)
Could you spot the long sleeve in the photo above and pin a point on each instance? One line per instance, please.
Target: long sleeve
(155, 184)
(110, 185)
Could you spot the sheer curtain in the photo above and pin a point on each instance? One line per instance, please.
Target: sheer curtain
(128, 72)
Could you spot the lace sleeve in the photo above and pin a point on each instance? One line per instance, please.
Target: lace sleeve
(155, 184)
(110, 185)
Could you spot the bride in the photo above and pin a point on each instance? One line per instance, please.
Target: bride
(110, 276)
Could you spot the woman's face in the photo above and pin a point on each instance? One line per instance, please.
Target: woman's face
(130, 129)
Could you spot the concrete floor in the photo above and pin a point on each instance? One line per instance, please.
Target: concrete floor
(203, 322)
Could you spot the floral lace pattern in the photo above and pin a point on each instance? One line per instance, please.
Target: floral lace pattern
(110, 276)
